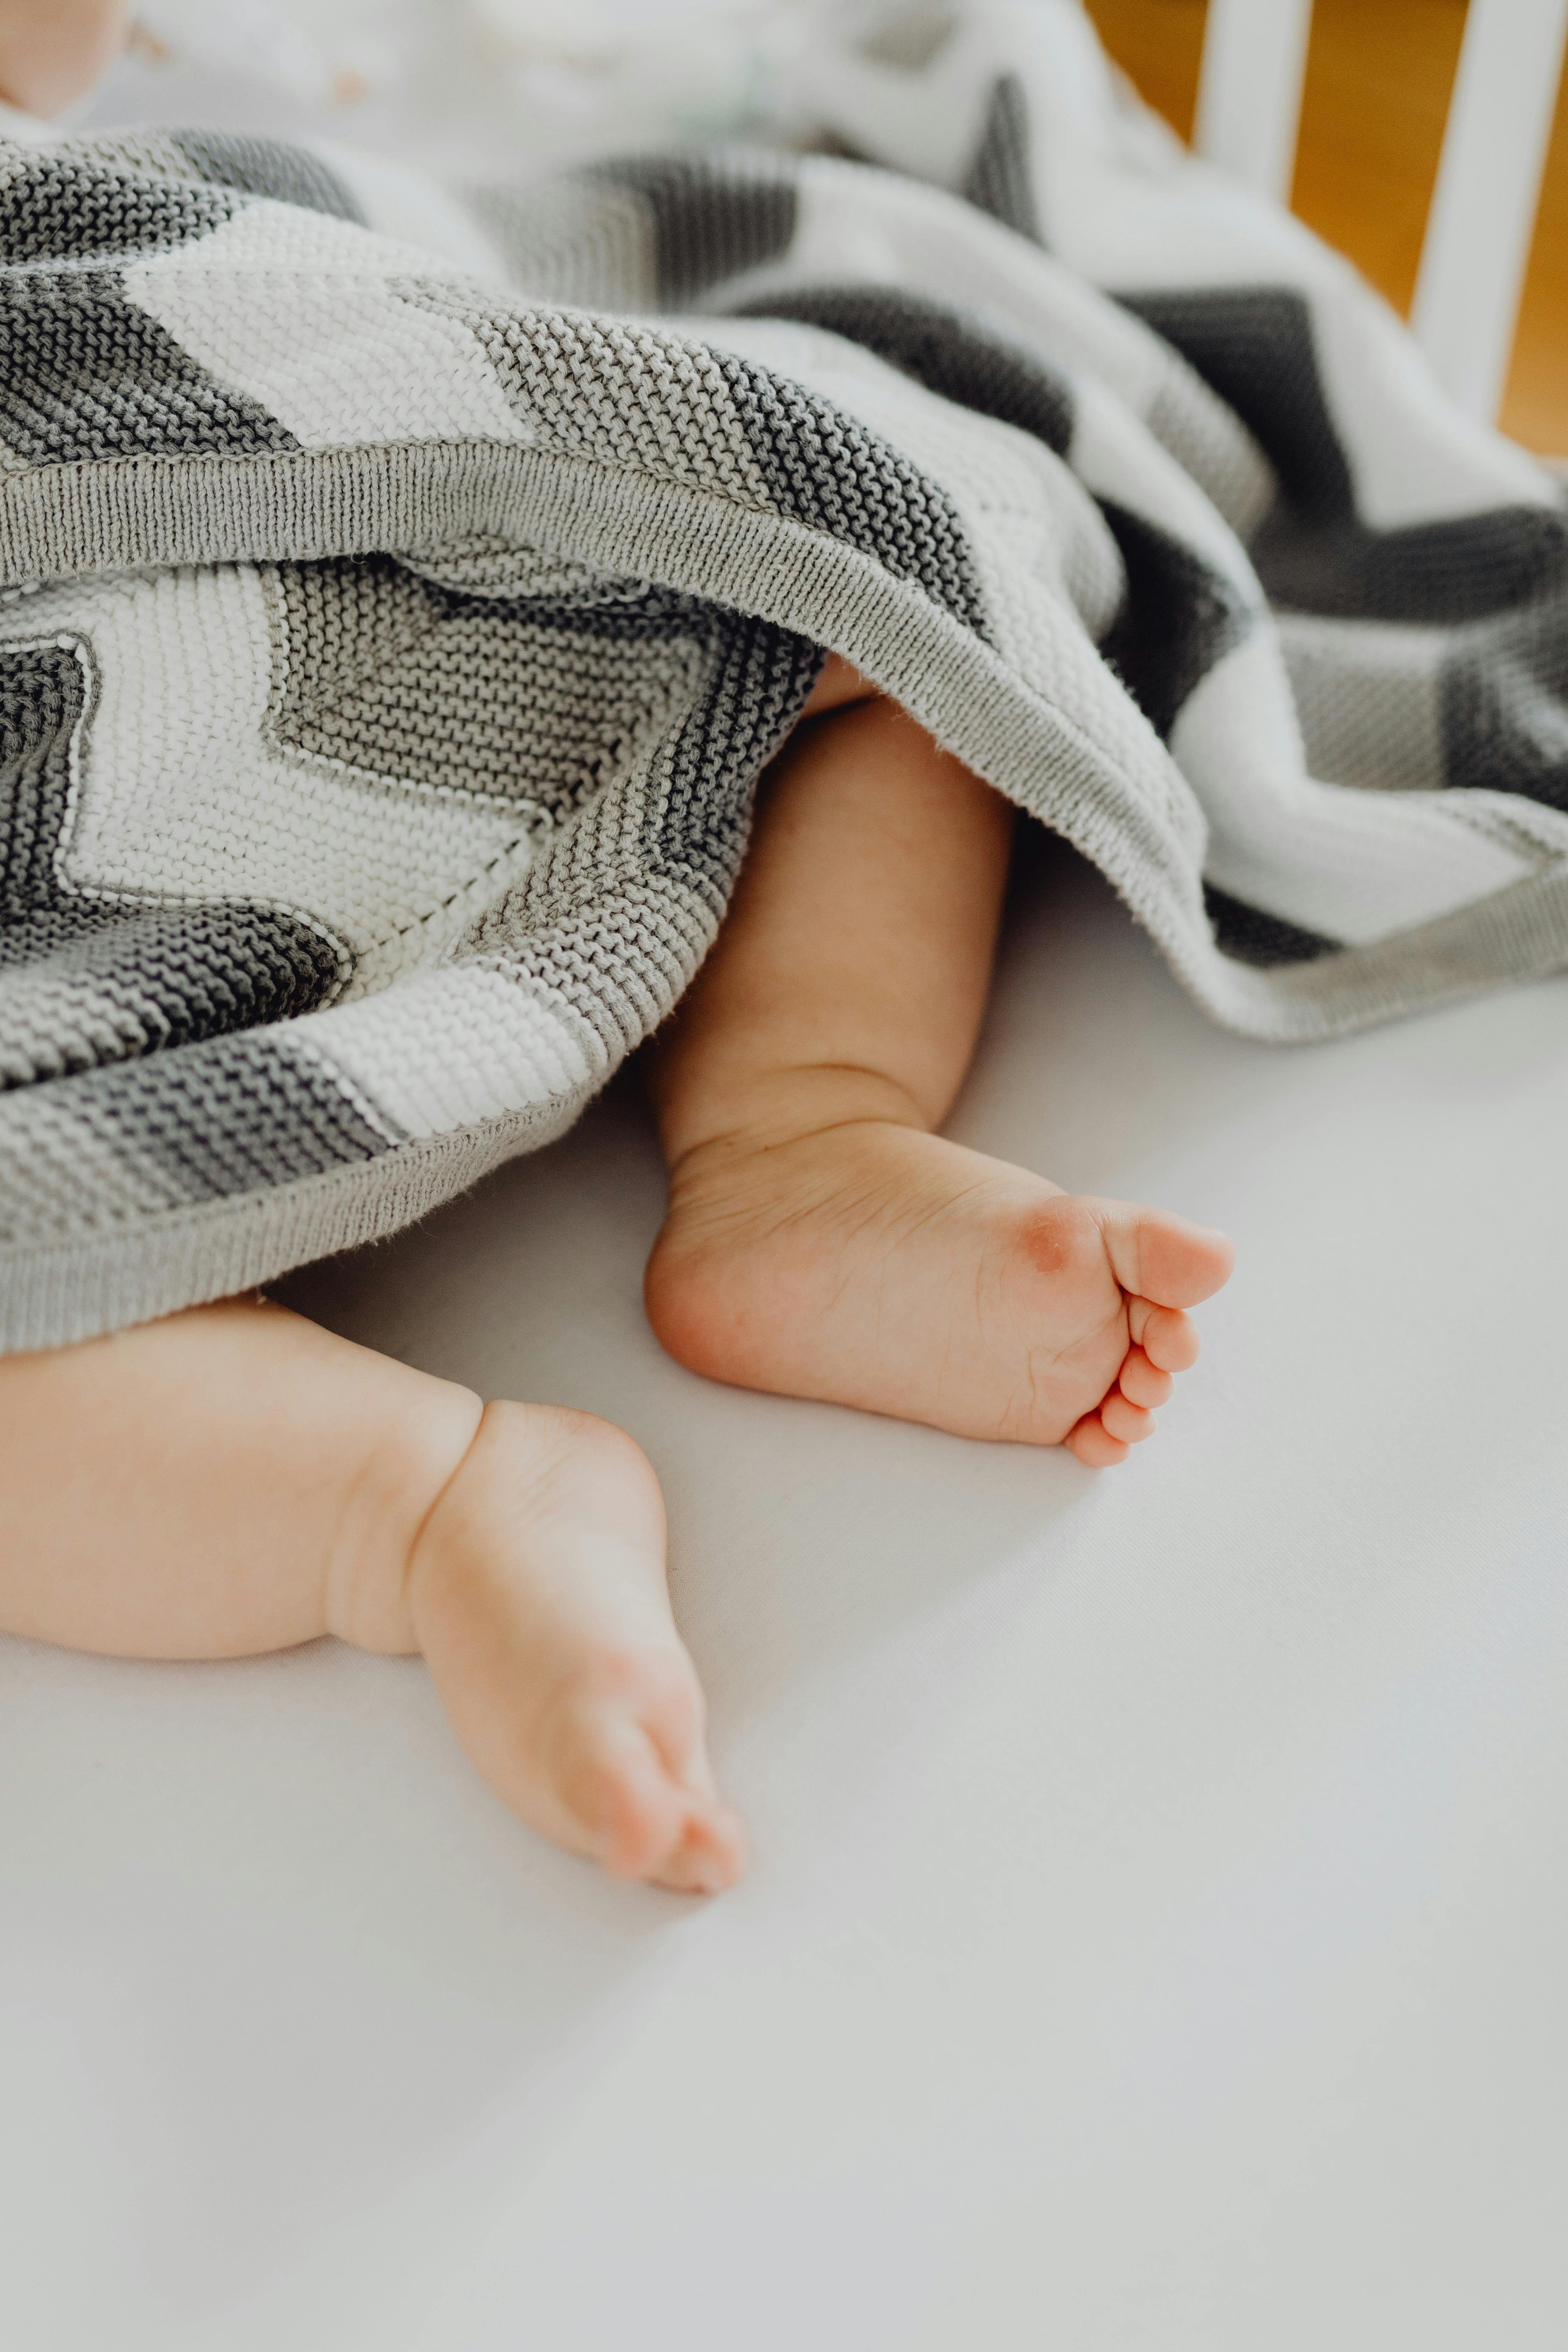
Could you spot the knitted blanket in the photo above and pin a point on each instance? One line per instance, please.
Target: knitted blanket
(404, 590)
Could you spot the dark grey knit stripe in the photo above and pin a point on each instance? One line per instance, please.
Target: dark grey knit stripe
(1255, 345)
(1266, 941)
(1000, 178)
(947, 350)
(1504, 705)
(59, 206)
(267, 167)
(712, 216)
(1456, 570)
(226, 1116)
(194, 971)
(43, 694)
(85, 373)
(827, 470)
(761, 680)
(1178, 618)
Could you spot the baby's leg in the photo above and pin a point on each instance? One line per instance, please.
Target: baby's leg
(236, 1479)
(821, 1240)
(52, 51)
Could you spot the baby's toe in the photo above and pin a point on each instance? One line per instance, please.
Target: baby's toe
(1093, 1444)
(1179, 1265)
(1142, 1381)
(627, 1803)
(710, 1855)
(1167, 1337)
(1123, 1420)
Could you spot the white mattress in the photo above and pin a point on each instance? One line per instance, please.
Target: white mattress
(1157, 1935)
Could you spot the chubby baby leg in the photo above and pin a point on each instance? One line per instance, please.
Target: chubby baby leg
(236, 1479)
(822, 1239)
(52, 51)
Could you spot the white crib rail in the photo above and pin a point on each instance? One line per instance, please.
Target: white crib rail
(1249, 94)
(1489, 181)
(1488, 185)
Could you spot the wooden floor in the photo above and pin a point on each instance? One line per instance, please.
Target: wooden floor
(1379, 73)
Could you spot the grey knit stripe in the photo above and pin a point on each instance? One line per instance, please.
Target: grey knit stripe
(1453, 571)
(573, 239)
(64, 1182)
(1369, 699)
(175, 973)
(86, 374)
(712, 216)
(965, 358)
(1000, 178)
(1505, 703)
(53, 1022)
(599, 388)
(388, 673)
(58, 205)
(227, 1115)
(118, 981)
(618, 909)
(1258, 938)
(1256, 346)
(267, 167)
(1517, 934)
(43, 694)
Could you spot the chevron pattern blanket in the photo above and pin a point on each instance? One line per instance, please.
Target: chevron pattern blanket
(404, 589)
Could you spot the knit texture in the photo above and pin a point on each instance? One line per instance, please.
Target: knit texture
(392, 634)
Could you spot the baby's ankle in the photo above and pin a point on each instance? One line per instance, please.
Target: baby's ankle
(775, 1107)
(428, 1435)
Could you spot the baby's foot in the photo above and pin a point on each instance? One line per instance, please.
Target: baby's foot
(537, 1594)
(872, 1264)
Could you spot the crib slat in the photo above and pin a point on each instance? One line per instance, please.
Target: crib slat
(1249, 95)
(1489, 184)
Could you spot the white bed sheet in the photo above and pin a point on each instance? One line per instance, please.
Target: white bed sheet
(1157, 1933)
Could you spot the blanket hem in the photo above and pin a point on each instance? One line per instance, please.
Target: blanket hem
(53, 1295)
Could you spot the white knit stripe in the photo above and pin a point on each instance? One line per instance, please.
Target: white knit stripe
(300, 311)
(178, 796)
(1115, 456)
(1414, 457)
(855, 226)
(413, 210)
(1354, 866)
(443, 1050)
(1128, 207)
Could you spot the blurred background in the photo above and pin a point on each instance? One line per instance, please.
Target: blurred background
(1379, 75)
(474, 86)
